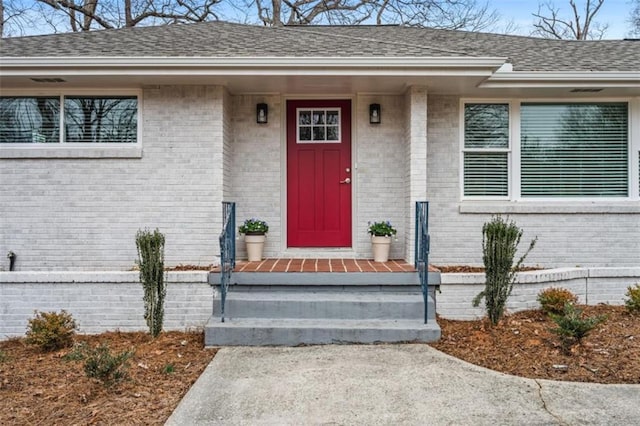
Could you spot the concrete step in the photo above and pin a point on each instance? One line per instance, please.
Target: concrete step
(292, 332)
(308, 304)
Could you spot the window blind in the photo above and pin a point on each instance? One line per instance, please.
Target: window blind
(486, 174)
(486, 144)
(29, 119)
(574, 150)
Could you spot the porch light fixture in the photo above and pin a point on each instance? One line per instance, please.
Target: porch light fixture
(262, 113)
(374, 113)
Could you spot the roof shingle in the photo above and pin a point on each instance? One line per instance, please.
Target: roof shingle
(225, 40)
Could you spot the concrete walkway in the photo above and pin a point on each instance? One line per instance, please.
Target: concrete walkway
(388, 385)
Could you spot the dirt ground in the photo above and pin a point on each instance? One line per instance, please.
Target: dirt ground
(44, 388)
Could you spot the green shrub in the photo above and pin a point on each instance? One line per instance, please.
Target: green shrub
(151, 261)
(552, 300)
(101, 364)
(77, 353)
(500, 241)
(3, 356)
(633, 301)
(169, 369)
(572, 327)
(51, 331)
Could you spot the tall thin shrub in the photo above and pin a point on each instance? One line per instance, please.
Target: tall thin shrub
(500, 240)
(151, 262)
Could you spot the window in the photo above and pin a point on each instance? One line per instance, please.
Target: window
(486, 150)
(69, 119)
(574, 150)
(562, 150)
(29, 120)
(318, 126)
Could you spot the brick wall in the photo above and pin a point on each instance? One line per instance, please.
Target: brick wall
(256, 171)
(100, 301)
(591, 285)
(62, 214)
(569, 234)
(416, 160)
(380, 187)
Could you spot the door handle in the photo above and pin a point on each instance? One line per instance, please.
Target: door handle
(347, 180)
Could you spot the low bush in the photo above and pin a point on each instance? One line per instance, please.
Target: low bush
(108, 368)
(572, 327)
(552, 300)
(51, 331)
(633, 298)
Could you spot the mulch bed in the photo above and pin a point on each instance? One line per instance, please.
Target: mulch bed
(44, 388)
(523, 344)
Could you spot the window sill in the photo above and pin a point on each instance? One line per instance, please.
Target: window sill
(550, 207)
(70, 151)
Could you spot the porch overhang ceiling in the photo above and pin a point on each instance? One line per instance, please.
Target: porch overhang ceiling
(251, 74)
(470, 76)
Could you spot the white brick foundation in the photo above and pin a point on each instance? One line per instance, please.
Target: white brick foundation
(100, 301)
(591, 285)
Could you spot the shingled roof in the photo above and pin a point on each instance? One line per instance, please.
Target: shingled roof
(229, 40)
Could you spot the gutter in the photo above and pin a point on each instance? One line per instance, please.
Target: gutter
(23, 66)
(519, 79)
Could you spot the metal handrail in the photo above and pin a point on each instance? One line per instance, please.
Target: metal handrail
(422, 251)
(227, 250)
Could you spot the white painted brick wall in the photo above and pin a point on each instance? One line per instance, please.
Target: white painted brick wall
(256, 168)
(83, 214)
(592, 286)
(416, 170)
(101, 301)
(227, 139)
(564, 240)
(380, 188)
(201, 145)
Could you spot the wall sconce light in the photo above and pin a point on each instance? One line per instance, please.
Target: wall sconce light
(374, 113)
(262, 113)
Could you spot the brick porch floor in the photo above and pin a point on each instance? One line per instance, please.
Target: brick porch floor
(325, 265)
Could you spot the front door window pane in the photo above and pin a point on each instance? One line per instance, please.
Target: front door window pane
(318, 126)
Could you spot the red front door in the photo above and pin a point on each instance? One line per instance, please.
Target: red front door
(319, 173)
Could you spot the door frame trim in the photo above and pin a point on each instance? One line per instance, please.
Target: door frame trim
(283, 167)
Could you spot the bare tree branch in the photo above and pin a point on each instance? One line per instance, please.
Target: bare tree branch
(634, 19)
(86, 15)
(14, 18)
(451, 14)
(550, 24)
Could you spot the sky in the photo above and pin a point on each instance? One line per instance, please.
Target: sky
(613, 12)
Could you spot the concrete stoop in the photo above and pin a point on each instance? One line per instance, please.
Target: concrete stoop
(303, 316)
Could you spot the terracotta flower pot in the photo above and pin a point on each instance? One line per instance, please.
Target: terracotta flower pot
(380, 247)
(255, 246)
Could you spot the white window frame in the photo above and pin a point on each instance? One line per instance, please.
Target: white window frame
(312, 110)
(514, 152)
(63, 149)
(507, 150)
